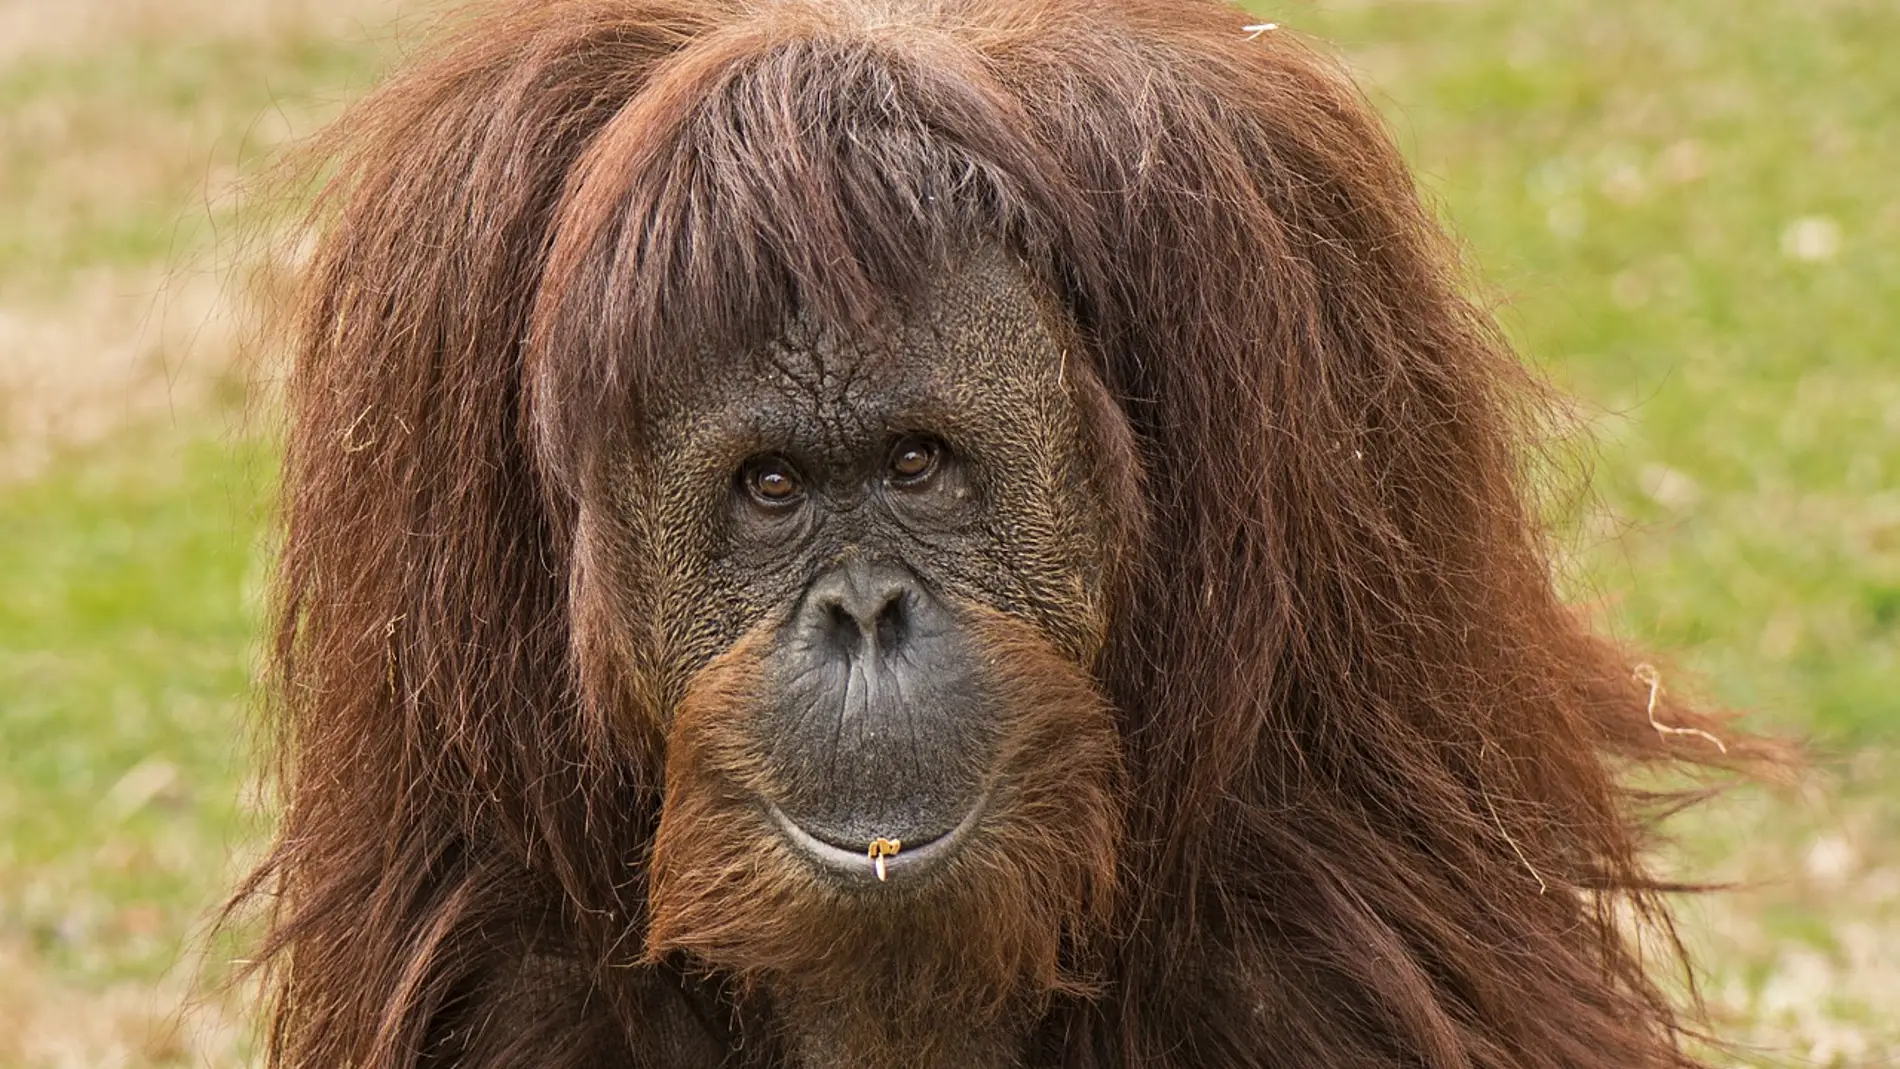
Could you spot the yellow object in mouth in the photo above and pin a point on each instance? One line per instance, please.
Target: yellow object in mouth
(882, 848)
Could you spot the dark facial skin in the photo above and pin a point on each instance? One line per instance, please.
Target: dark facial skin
(863, 499)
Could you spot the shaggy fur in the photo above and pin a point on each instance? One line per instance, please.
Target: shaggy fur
(1370, 813)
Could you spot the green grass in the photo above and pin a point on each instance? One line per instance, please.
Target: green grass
(130, 567)
(1686, 213)
(127, 584)
(125, 153)
(1689, 214)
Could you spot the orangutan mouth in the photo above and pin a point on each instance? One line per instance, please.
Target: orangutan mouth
(881, 860)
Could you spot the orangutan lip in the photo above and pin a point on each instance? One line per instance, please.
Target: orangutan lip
(912, 860)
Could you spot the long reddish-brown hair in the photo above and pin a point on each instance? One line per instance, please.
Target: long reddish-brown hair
(1372, 806)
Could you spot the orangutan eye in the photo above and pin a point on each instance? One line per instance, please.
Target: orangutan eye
(772, 480)
(914, 459)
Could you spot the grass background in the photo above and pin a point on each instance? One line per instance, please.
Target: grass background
(1686, 213)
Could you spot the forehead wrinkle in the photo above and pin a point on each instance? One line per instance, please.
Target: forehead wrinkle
(823, 382)
(976, 346)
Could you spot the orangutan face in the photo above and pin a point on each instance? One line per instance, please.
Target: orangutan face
(878, 573)
(865, 518)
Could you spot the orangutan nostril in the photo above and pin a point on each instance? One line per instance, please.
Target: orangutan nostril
(862, 610)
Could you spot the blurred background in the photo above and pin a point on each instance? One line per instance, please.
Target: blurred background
(1686, 213)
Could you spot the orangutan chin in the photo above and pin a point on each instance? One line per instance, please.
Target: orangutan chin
(846, 534)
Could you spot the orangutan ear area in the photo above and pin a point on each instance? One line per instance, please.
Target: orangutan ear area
(980, 533)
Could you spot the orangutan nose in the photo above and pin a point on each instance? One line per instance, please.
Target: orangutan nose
(862, 610)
